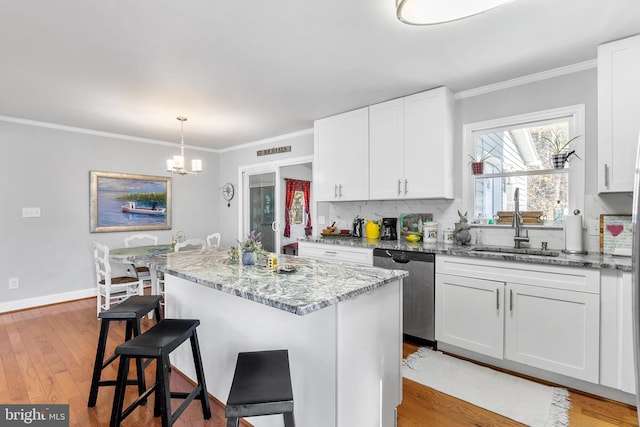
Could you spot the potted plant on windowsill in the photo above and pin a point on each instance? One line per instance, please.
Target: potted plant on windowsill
(477, 163)
(561, 150)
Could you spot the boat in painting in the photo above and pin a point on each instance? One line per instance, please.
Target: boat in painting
(130, 207)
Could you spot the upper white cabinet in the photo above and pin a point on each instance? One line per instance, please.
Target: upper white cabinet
(341, 148)
(618, 113)
(411, 147)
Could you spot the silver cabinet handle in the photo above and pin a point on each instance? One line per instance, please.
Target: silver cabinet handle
(340, 190)
(406, 186)
(606, 175)
(335, 190)
(399, 184)
(330, 253)
(511, 300)
(497, 298)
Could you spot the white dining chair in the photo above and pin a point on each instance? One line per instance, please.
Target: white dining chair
(112, 290)
(213, 240)
(142, 240)
(190, 244)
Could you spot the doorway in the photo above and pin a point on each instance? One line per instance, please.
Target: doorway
(262, 200)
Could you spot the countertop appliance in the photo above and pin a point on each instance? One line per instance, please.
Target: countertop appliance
(389, 230)
(418, 291)
(635, 284)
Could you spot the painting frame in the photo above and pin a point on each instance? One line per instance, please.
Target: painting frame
(112, 216)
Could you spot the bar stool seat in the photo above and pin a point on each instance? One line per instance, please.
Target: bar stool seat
(130, 310)
(261, 386)
(157, 343)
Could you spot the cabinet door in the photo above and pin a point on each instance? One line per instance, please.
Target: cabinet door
(618, 113)
(428, 145)
(469, 313)
(616, 334)
(354, 157)
(341, 169)
(386, 148)
(327, 136)
(553, 329)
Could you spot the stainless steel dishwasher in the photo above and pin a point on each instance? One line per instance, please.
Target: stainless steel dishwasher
(418, 291)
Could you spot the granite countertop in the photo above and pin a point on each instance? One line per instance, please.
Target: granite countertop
(590, 260)
(313, 286)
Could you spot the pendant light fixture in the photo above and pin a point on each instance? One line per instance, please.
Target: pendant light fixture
(431, 12)
(175, 165)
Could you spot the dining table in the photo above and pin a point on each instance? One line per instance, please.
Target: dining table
(134, 255)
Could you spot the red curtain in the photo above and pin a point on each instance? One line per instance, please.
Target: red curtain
(294, 185)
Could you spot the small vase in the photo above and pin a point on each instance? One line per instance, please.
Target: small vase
(248, 258)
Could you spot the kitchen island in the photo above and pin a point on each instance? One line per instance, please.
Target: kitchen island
(340, 322)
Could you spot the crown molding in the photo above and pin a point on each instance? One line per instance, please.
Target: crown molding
(531, 78)
(84, 131)
(271, 140)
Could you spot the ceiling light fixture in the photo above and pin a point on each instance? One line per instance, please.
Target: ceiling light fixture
(175, 165)
(430, 12)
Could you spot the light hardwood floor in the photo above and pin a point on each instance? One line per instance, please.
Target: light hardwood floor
(47, 356)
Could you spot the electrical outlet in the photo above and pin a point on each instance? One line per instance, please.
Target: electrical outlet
(14, 283)
(593, 227)
(30, 212)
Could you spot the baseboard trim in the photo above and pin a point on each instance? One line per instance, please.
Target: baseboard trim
(26, 303)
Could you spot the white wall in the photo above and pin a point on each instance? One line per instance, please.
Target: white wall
(49, 168)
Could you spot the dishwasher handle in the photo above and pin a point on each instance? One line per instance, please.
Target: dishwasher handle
(398, 258)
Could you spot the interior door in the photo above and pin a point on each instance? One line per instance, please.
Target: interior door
(261, 207)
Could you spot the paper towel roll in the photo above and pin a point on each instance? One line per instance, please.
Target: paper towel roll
(573, 233)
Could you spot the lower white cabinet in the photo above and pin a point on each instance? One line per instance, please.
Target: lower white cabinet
(616, 337)
(539, 315)
(553, 329)
(326, 252)
(469, 313)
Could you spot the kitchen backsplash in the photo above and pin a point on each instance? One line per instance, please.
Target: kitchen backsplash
(445, 213)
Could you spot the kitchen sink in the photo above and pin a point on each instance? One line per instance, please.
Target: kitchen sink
(511, 250)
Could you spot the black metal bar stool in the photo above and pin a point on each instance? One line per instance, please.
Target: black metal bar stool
(130, 310)
(261, 386)
(157, 343)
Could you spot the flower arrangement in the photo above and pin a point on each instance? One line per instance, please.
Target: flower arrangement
(253, 242)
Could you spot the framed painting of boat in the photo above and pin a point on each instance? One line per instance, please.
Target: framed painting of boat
(129, 202)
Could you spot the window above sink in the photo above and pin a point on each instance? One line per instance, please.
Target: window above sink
(517, 155)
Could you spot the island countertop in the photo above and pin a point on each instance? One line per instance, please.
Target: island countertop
(312, 286)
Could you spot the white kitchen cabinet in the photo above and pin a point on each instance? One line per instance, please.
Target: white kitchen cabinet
(553, 329)
(341, 157)
(469, 313)
(618, 113)
(539, 315)
(616, 324)
(411, 147)
(327, 252)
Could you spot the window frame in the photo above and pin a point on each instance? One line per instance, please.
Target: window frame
(574, 114)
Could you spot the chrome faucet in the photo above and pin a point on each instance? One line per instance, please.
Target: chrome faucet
(517, 221)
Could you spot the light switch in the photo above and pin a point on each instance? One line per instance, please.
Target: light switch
(30, 212)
